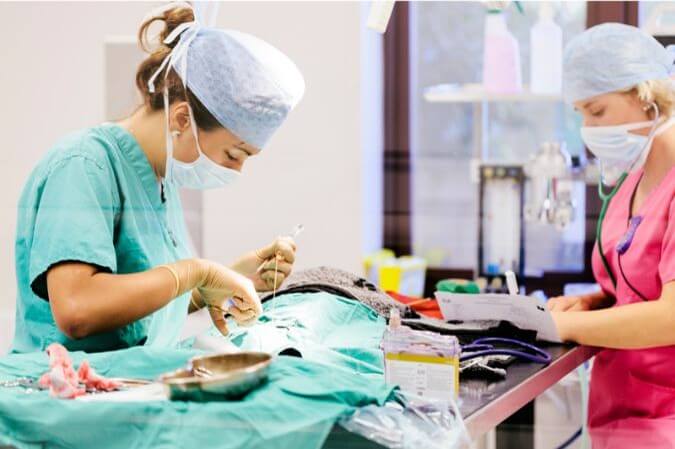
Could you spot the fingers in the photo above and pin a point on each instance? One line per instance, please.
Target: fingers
(223, 283)
(285, 246)
(558, 306)
(552, 303)
(241, 304)
(578, 306)
(249, 296)
(282, 267)
(282, 246)
(269, 278)
(242, 316)
(564, 304)
(274, 272)
(218, 319)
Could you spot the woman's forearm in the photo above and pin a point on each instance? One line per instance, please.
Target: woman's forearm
(86, 302)
(640, 325)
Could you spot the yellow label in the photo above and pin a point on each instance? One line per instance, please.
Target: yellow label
(432, 359)
(421, 358)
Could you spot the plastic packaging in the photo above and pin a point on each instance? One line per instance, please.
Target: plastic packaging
(546, 46)
(402, 339)
(501, 56)
(410, 422)
(421, 362)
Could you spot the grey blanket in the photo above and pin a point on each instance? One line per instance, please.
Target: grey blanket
(338, 282)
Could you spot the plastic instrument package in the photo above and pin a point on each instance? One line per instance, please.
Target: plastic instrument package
(410, 422)
(421, 362)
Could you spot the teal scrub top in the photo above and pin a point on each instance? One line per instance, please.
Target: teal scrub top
(94, 198)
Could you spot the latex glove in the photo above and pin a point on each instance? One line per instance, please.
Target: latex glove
(279, 255)
(218, 284)
(569, 304)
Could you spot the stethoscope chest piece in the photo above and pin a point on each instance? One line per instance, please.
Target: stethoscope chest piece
(627, 239)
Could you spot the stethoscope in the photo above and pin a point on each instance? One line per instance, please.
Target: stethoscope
(606, 198)
(482, 347)
(625, 242)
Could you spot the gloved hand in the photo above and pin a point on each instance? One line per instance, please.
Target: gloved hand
(214, 285)
(279, 255)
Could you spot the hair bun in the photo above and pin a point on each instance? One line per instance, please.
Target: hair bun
(171, 18)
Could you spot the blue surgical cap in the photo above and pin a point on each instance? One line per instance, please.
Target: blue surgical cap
(248, 85)
(609, 58)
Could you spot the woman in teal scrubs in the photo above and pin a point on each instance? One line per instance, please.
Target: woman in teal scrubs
(102, 255)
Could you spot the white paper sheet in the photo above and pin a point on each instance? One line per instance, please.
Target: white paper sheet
(523, 311)
(196, 323)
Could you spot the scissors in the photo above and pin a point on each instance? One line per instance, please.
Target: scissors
(516, 348)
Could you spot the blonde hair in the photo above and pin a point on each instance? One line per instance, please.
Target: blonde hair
(661, 92)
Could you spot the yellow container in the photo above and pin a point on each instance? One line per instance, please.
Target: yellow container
(404, 275)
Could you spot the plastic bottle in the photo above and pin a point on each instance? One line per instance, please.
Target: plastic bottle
(546, 46)
(395, 322)
(501, 56)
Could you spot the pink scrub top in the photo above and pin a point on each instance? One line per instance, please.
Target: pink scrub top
(632, 394)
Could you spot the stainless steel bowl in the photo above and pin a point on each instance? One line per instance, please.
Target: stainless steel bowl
(218, 377)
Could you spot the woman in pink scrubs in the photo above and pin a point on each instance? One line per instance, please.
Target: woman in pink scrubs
(617, 77)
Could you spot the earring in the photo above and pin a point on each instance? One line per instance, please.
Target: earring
(175, 133)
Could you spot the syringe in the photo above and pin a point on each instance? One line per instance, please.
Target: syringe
(296, 231)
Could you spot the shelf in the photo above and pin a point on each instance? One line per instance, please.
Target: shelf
(475, 93)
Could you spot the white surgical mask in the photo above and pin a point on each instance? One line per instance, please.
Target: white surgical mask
(200, 174)
(619, 150)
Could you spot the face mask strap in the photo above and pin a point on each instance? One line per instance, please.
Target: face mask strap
(195, 131)
(168, 166)
(177, 58)
(650, 138)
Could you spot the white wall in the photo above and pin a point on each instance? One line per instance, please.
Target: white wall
(51, 70)
(312, 171)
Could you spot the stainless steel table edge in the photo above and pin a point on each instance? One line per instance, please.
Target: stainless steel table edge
(488, 417)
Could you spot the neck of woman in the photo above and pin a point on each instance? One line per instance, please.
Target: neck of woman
(148, 128)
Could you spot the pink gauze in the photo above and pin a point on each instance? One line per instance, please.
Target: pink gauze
(65, 383)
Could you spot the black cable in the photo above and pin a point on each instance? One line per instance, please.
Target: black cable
(570, 440)
(627, 281)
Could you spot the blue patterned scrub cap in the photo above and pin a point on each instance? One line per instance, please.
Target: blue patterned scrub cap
(248, 85)
(612, 57)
